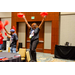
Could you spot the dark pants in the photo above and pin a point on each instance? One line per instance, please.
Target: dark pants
(1, 46)
(33, 45)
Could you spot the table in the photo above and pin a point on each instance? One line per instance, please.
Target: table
(65, 52)
(12, 57)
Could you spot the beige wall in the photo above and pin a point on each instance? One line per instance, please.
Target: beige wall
(8, 27)
(62, 13)
(67, 29)
(6, 16)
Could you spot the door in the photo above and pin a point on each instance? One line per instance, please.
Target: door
(22, 33)
(40, 46)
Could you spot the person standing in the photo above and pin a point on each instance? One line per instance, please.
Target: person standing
(34, 37)
(1, 41)
(14, 40)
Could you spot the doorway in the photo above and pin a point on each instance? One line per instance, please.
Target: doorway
(21, 29)
(40, 47)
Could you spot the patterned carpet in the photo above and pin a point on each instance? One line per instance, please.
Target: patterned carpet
(45, 57)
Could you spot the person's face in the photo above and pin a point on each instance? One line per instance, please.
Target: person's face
(11, 33)
(34, 25)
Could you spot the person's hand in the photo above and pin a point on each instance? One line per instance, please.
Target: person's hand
(4, 27)
(24, 16)
(45, 16)
(16, 50)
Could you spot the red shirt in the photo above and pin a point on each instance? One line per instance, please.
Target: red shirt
(1, 39)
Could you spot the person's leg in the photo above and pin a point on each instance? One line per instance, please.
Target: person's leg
(31, 50)
(34, 45)
(11, 50)
(34, 55)
(14, 50)
(0, 46)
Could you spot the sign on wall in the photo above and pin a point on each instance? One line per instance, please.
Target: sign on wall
(32, 17)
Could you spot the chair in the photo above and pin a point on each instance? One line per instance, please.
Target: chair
(0, 50)
(9, 49)
(22, 52)
(28, 56)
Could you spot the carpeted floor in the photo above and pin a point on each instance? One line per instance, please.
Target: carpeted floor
(46, 57)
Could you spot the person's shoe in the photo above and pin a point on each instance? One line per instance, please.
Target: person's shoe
(35, 61)
(31, 61)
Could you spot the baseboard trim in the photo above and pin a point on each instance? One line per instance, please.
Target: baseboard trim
(47, 50)
(39, 51)
(23, 47)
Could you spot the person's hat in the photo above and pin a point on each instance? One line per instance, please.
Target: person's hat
(12, 30)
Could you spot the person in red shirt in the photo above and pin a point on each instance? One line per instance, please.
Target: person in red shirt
(1, 41)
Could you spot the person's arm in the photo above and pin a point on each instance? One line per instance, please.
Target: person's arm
(7, 31)
(17, 46)
(26, 22)
(42, 22)
(8, 36)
